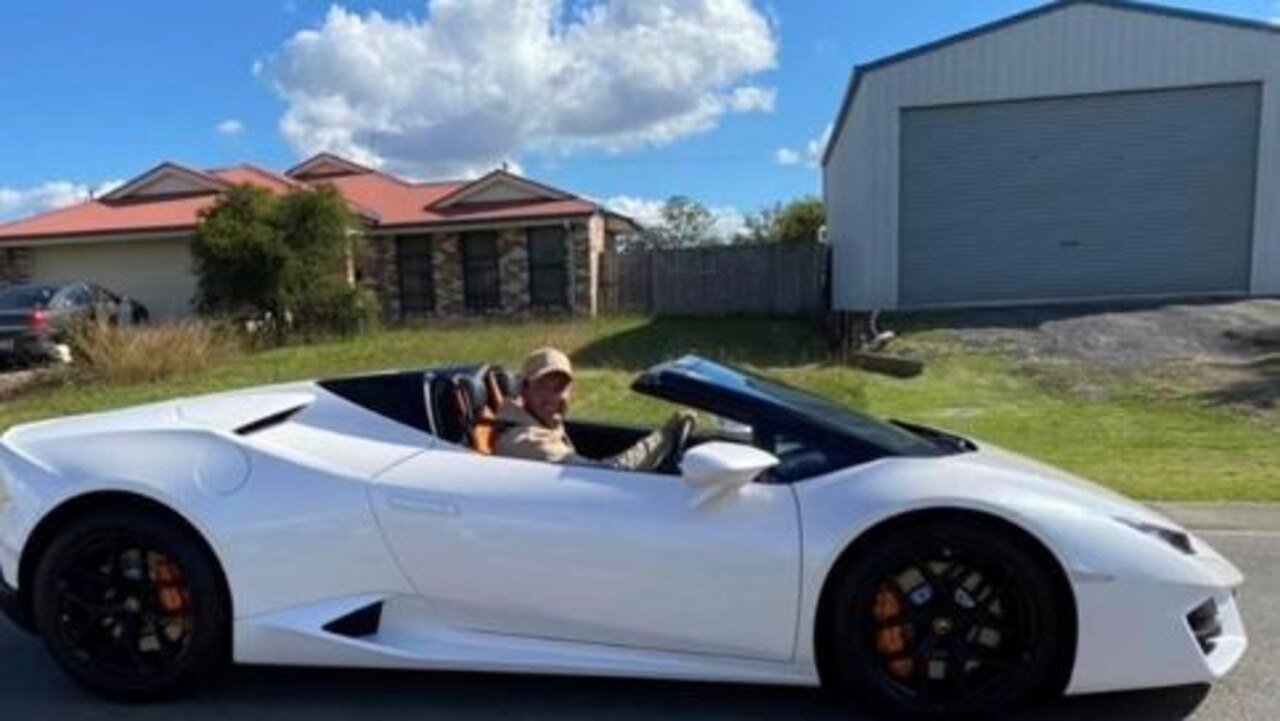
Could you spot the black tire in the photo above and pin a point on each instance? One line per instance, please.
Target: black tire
(947, 642)
(132, 605)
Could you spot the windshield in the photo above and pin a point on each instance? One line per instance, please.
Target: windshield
(816, 408)
(26, 296)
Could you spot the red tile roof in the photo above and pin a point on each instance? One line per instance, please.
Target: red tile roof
(383, 199)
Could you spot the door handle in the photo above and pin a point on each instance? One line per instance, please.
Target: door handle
(424, 505)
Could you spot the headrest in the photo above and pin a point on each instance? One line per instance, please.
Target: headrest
(472, 391)
(503, 382)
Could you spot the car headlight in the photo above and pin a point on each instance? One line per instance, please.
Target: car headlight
(1177, 539)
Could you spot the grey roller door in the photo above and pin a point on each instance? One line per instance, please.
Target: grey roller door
(1125, 194)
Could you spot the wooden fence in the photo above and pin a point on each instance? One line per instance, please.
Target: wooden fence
(771, 279)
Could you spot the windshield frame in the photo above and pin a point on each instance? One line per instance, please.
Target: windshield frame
(772, 406)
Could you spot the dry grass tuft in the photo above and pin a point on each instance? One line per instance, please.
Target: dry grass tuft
(143, 354)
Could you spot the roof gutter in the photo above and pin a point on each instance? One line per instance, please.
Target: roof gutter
(43, 241)
(385, 230)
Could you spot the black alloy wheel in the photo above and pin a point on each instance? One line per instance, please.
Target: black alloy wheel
(131, 606)
(945, 618)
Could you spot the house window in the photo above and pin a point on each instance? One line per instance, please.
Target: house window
(548, 268)
(480, 279)
(417, 282)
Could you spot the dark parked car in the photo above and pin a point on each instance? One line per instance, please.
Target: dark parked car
(34, 317)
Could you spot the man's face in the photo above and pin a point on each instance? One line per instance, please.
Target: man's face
(547, 397)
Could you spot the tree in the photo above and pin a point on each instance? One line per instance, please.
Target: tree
(685, 223)
(240, 257)
(279, 257)
(799, 221)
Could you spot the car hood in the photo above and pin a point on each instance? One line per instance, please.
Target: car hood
(1008, 471)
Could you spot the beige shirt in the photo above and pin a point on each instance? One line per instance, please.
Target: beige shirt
(523, 436)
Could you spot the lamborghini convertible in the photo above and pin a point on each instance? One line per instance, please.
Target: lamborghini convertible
(364, 522)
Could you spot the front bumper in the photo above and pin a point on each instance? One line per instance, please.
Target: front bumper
(1151, 632)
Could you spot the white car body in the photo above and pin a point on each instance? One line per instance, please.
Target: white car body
(490, 563)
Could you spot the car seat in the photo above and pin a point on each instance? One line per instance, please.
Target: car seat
(502, 387)
(478, 420)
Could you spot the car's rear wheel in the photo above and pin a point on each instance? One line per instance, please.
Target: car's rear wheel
(131, 605)
(944, 617)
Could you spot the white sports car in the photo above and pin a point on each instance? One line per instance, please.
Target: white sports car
(360, 522)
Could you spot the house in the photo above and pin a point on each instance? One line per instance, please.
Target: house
(498, 244)
(1083, 150)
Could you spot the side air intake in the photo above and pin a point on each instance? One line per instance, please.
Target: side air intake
(359, 623)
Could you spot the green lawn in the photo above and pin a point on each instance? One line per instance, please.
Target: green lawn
(1141, 444)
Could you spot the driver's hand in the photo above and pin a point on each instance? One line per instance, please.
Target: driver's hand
(676, 420)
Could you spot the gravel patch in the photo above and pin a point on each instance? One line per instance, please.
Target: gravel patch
(1235, 333)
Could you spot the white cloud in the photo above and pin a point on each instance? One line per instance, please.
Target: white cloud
(21, 202)
(751, 98)
(475, 81)
(814, 149)
(230, 127)
(645, 211)
(786, 156)
(729, 221)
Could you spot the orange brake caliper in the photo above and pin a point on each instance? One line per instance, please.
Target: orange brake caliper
(891, 639)
(172, 594)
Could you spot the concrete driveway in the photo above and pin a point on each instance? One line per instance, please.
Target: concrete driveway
(32, 688)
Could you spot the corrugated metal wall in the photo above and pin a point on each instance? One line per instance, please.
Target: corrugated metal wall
(1095, 196)
(1079, 49)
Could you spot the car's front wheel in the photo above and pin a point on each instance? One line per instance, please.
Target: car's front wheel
(131, 605)
(944, 617)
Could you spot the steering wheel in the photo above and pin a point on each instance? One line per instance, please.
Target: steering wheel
(680, 441)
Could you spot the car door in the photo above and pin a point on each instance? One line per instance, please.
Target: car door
(596, 555)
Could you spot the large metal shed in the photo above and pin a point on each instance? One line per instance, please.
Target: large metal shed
(1084, 150)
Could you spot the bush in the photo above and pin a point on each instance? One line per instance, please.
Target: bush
(140, 354)
(335, 309)
(282, 261)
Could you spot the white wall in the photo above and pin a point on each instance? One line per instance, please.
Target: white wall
(158, 273)
(1081, 48)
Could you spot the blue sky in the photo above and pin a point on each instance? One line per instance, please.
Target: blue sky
(94, 93)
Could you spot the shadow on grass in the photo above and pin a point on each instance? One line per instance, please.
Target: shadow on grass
(1261, 389)
(764, 342)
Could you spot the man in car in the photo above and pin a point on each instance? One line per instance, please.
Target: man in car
(533, 424)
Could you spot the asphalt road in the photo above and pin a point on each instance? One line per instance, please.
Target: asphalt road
(32, 688)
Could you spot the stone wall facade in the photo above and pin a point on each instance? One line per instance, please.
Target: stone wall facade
(446, 269)
(380, 272)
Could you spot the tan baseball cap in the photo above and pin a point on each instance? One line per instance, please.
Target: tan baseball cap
(544, 361)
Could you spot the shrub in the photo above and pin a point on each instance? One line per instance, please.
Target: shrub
(281, 261)
(139, 354)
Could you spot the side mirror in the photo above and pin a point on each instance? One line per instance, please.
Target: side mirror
(716, 467)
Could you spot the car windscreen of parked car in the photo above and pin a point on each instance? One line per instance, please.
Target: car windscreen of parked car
(26, 296)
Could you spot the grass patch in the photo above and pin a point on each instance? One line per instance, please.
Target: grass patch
(1174, 448)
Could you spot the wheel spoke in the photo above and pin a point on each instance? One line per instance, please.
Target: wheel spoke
(965, 620)
(112, 616)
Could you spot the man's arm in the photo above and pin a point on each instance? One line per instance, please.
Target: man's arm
(538, 444)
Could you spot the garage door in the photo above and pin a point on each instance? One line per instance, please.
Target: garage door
(1129, 194)
(157, 273)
